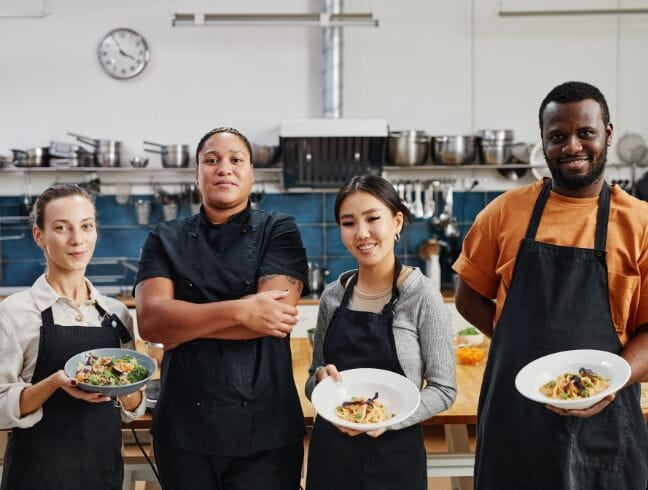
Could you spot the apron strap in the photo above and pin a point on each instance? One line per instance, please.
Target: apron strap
(601, 217)
(389, 307)
(537, 210)
(101, 311)
(47, 317)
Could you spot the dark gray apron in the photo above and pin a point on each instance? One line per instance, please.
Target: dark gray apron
(76, 445)
(558, 300)
(394, 461)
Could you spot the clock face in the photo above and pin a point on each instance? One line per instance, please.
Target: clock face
(123, 53)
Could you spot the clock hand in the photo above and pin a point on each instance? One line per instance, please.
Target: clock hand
(121, 51)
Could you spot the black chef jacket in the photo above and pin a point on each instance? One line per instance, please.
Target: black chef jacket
(226, 397)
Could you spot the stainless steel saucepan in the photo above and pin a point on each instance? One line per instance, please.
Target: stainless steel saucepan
(107, 153)
(34, 157)
(173, 156)
(407, 147)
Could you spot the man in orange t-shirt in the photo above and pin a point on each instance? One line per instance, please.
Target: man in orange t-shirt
(567, 261)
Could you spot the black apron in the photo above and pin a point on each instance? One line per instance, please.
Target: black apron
(394, 461)
(77, 444)
(558, 300)
(225, 397)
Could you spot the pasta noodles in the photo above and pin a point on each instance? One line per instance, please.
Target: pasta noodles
(363, 411)
(568, 386)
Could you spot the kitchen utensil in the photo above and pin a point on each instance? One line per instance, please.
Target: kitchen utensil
(316, 276)
(409, 195)
(265, 155)
(122, 192)
(428, 251)
(429, 204)
(417, 205)
(34, 157)
(400, 396)
(446, 214)
(401, 193)
(407, 147)
(142, 211)
(107, 153)
(170, 211)
(631, 148)
(453, 150)
(544, 369)
(452, 228)
(155, 350)
(139, 162)
(173, 156)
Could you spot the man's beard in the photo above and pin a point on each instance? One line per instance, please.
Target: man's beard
(575, 182)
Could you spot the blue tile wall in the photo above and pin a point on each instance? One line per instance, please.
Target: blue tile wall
(121, 236)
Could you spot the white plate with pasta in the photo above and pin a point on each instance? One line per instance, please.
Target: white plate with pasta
(374, 399)
(573, 379)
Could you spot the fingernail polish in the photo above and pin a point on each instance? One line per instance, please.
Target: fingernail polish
(74, 382)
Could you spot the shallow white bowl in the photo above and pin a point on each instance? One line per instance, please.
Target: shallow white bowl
(399, 395)
(535, 374)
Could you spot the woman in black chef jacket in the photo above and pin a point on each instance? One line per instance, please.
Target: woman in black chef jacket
(62, 438)
(221, 287)
(383, 315)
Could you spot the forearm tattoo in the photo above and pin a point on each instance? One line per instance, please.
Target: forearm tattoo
(290, 279)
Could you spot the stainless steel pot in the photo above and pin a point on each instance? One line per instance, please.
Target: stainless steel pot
(107, 153)
(496, 153)
(407, 148)
(264, 155)
(453, 150)
(173, 156)
(34, 157)
(69, 154)
(496, 134)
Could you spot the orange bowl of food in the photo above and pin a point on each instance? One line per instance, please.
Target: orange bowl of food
(470, 355)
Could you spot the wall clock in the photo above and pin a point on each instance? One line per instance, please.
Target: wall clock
(123, 53)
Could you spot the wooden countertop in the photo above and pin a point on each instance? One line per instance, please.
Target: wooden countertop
(464, 410)
(129, 301)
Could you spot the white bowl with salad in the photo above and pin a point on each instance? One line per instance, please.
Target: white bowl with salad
(111, 371)
(470, 336)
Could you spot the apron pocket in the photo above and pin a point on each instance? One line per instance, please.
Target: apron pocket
(624, 298)
(601, 442)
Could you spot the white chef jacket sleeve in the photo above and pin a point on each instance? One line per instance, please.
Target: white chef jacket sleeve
(11, 384)
(127, 320)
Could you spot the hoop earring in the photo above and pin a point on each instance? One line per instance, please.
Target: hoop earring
(397, 237)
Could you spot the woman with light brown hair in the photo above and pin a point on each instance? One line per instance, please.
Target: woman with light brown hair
(62, 437)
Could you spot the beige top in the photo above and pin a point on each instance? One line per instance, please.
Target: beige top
(20, 322)
(374, 303)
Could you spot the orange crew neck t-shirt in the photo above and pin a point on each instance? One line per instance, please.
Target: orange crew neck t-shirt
(490, 247)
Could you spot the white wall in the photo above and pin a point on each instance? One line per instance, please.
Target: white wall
(442, 66)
